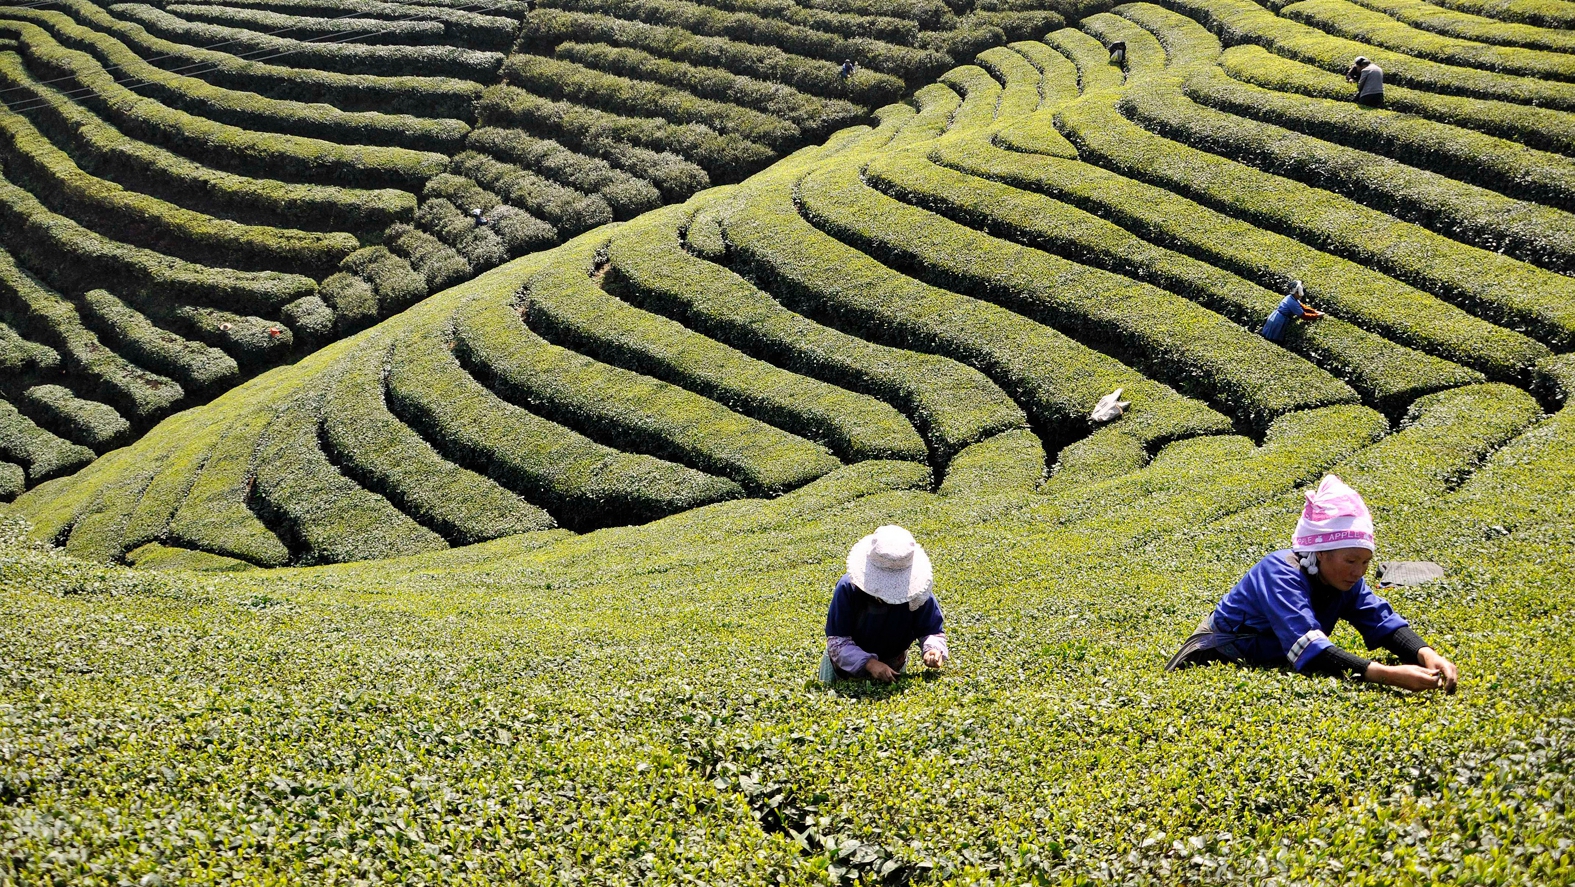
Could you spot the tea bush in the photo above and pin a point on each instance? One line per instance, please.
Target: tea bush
(1541, 128)
(639, 439)
(218, 166)
(1353, 21)
(550, 702)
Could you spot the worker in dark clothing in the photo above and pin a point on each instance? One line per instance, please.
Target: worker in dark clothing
(881, 607)
(1118, 53)
(1369, 80)
(846, 72)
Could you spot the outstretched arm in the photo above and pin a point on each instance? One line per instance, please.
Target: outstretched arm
(1411, 649)
(1341, 662)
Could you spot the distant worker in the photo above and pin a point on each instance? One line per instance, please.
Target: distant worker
(1118, 52)
(846, 73)
(1369, 80)
(879, 609)
(1290, 308)
(481, 220)
(1282, 611)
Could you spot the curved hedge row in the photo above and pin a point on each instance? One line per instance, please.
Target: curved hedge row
(1459, 210)
(1543, 13)
(1387, 375)
(1490, 162)
(102, 150)
(1541, 128)
(621, 409)
(1019, 81)
(41, 238)
(334, 57)
(903, 62)
(952, 405)
(1354, 22)
(443, 97)
(32, 160)
(566, 81)
(546, 29)
(465, 22)
(46, 317)
(1243, 21)
(1055, 378)
(1160, 335)
(199, 367)
(42, 455)
(362, 30)
(1494, 286)
(586, 319)
(234, 148)
(627, 195)
(723, 156)
(1270, 259)
(811, 114)
(321, 513)
(384, 455)
(582, 484)
(1452, 23)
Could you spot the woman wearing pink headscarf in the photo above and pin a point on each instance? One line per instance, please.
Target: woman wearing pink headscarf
(1283, 610)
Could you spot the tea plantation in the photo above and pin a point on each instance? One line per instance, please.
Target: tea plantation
(195, 192)
(356, 539)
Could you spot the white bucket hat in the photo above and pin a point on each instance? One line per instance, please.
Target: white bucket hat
(890, 564)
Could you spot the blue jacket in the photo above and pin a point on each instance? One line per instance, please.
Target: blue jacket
(1288, 310)
(1290, 616)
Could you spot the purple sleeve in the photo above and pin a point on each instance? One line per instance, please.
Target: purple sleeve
(1285, 604)
(932, 631)
(846, 655)
(1372, 616)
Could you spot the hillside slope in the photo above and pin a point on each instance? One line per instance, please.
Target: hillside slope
(637, 705)
(953, 289)
(191, 193)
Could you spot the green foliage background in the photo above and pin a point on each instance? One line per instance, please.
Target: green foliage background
(637, 705)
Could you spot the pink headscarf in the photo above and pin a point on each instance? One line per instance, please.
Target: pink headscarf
(1335, 517)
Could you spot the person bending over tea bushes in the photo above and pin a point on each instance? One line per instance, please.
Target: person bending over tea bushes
(1282, 611)
(1369, 80)
(883, 604)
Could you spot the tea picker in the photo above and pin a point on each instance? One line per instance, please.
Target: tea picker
(1282, 611)
(880, 607)
(1118, 53)
(1369, 80)
(1290, 308)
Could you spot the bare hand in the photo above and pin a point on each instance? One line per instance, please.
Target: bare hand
(934, 659)
(1430, 659)
(1415, 678)
(880, 671)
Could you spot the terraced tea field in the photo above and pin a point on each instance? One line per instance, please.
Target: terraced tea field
(195, 192)
(720, 320)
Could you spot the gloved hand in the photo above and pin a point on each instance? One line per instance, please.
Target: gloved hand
(1308, 312)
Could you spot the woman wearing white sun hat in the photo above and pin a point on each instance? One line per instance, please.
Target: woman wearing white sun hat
(881, 606)
(1283, 610)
